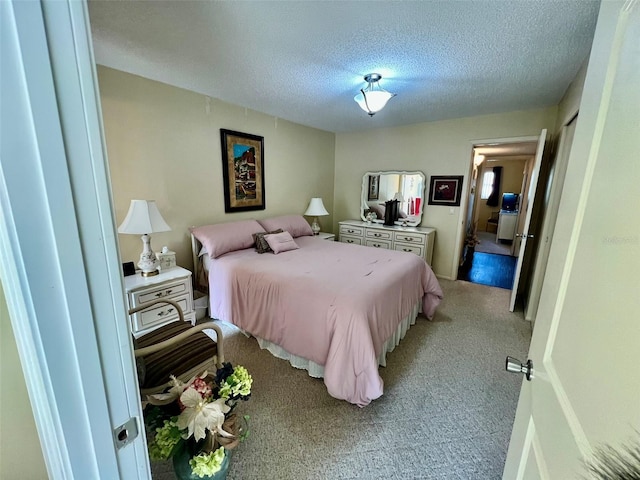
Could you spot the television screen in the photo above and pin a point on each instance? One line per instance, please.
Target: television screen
(509, 201)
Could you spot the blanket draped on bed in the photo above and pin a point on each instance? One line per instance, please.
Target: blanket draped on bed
(332, 303)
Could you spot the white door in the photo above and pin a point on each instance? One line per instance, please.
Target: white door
(585, 392)
(59, 261)
(528, 206)
(549, 221)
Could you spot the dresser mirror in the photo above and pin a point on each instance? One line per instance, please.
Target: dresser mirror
(380, 187)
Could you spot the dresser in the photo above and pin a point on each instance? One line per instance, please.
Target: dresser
(418, 240)
(171, 284)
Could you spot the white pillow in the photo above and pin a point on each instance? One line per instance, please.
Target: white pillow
(281, 242)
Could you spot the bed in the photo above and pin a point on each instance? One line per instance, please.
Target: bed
(332, 308)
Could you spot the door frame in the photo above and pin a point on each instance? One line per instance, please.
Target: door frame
(467, 191)
(60, 262)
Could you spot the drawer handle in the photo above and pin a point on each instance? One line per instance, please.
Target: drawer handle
(349, 241)
(377, 235)
(350, 231)
(407, 250)
(377, 245)
(408, 239)
(164, 294)
(165, 312)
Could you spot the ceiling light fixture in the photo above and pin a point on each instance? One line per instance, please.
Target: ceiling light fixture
(373, 97)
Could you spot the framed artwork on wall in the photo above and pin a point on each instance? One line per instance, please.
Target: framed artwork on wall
(445, 190)
(242, 171)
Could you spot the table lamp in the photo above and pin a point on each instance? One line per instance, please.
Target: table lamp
(144, 218)
(316, 209)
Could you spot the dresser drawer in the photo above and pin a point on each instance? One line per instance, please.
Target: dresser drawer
(378, 234)
(405, 247)
(161, 291)
(351, 230)
(406, 237)
(161, 314)
(348, 239)
(378, 243)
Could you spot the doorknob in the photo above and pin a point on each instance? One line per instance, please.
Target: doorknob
(514, 365)
(524, 235)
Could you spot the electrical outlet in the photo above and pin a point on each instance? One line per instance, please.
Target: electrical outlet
(451, 210)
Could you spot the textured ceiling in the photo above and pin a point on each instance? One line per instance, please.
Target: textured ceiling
(304, 60)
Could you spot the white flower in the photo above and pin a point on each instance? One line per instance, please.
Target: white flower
(201, 415)
(177, 387)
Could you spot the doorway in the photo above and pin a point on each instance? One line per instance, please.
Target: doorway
(490, 245)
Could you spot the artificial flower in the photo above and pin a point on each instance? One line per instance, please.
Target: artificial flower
(165, 440)
(200, 415)
(205, 465)
(237, 384)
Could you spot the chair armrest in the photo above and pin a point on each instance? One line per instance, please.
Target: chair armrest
(141, 352)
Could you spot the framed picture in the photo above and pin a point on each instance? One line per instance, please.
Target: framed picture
(374, 183)
(445, 190)
(243, 171)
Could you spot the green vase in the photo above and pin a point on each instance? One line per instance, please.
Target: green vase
(183, 471)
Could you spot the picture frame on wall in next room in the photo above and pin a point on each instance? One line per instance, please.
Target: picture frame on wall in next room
(445, 190)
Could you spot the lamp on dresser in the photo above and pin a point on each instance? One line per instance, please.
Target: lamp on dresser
(144, 218)
(316, 209)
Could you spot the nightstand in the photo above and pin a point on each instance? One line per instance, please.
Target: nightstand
(172, 284)
(327, 236)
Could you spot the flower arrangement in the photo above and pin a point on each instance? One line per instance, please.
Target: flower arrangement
(197, 419)
(471, 239)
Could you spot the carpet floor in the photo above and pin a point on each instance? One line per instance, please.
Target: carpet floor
(446, 413)
(488, 244)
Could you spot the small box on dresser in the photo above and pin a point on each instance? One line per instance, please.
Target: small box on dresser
(417, 240)
(171, 284)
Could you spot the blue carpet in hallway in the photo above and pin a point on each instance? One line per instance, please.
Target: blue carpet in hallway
(492, 270)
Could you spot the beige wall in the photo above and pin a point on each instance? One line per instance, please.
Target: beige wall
(435, 148)
(163, 144)
(510, 181)
(20, 452)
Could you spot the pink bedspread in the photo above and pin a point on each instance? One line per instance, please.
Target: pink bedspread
(332, 303)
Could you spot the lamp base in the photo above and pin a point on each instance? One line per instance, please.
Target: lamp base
(150, 274)
(315, 226)
(148, 261)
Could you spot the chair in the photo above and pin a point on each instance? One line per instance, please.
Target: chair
(177, 348)
(493, 221)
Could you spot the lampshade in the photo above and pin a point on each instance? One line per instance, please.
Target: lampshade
(373, 98)
(143, 217)
(316, 208)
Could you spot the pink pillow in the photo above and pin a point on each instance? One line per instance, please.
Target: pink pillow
(281, 242)
(296, 225)
(226, 237)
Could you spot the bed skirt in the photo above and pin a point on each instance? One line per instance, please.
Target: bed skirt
(317, 371)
